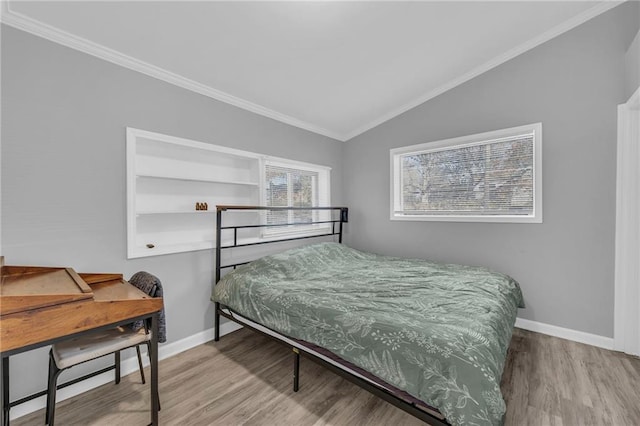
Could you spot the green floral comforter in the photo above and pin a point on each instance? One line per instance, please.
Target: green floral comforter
(439, 332)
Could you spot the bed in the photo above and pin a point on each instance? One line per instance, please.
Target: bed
(431, 338)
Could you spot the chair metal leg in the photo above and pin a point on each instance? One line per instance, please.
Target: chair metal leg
(140, 364)
(50, 373)
(149, 353)
(117, 363)
(54, 372)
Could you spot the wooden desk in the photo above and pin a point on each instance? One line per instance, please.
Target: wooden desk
(40, 306)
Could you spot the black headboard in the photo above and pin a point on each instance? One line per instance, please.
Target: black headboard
(343, 217)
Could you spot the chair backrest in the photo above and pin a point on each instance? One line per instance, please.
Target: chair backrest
(146, 282)
(151, 285)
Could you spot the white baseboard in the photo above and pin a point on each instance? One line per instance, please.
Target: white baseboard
(128, 366)
(565, 333)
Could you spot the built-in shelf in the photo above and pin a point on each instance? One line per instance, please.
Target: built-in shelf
(160, 249)
(168, 248)
(143, 213)
(196, 179)
(167, 176)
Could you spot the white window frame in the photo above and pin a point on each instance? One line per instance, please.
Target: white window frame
(482, 138)
(323, 192)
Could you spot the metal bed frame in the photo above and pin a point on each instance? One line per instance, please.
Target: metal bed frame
(298, 350)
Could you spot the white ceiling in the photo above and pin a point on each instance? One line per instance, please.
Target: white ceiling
(335, 68)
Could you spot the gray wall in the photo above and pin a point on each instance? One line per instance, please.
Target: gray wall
(63, 170)
(572, 84)
(632, 66)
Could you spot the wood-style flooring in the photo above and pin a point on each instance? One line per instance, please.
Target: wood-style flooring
(245, 379)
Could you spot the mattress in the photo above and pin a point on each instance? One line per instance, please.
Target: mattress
(439, 332)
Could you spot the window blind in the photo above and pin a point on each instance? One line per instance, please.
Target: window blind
(290, 187)
(494, 177)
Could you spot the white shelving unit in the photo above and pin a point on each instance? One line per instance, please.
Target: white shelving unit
(167, 176)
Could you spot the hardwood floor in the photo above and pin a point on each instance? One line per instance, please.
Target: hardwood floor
(245, 379)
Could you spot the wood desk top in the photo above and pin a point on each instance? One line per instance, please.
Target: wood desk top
(40, 304)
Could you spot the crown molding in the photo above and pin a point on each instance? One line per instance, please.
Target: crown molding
(56, 35)
(585, 16)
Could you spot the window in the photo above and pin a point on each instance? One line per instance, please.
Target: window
(489, 177)
(294, 184)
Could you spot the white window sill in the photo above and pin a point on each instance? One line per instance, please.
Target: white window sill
(465, 218)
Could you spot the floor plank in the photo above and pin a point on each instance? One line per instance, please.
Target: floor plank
(246, 379)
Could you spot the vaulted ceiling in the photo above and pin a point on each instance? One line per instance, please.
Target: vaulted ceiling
(334, 68)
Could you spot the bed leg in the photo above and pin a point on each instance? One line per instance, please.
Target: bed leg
(296, 369)
(216, 327)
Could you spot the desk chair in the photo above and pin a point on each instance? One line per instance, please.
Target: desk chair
(78, 350)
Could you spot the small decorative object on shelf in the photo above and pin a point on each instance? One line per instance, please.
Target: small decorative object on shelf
(202, 206)
(150, 245)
